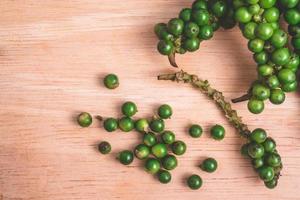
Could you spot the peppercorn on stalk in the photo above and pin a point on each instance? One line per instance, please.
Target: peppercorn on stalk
(260, 148)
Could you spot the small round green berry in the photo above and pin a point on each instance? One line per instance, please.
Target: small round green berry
(149, 139)
(168, 137)
(277, 96)
(258, 135)
(255, 106)
(256, 150)
(84, 119)
(164, 176)
(195, 131)
(217, 132)
(209, 165)
(194, 182)
(165, 111)
(159, 150)
(178, 147)
(157, 125)
(126, 124)
(110, 124)
(141, 151)
(104, 147)
(266, 173)
(125, 157)
(152, 165)
(142, 125)
(273, 160)
(169, 162)
(111, 81)
(257, 163)
(269, 145)
(129, 109)
(271, 184)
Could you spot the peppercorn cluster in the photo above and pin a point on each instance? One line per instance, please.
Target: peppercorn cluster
(258, 20)
(264, 157)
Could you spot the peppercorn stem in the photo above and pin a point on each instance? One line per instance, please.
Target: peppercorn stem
(172, 60)
(217, 96)
(245, 97)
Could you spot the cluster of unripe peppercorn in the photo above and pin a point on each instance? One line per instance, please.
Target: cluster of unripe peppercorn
(264, 157)
(259, 22)
(159, 146)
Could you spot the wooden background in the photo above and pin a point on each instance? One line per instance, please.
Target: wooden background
(53, 56)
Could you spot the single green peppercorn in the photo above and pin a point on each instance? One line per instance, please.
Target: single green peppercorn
(195, 131)
(281, 56)
(242, 15)
(264, 31)
(296, 42)
(209, 165)
(110, 124)
(290, 87)
(206, 32)
(185, 14)
(84, 119)
(194, 182)
(286, 76)
(289, 3)
(261, 58)
(257, 163)
(199, 4)
(126, 124)
(142, 125)
(159, 150)
(165, 111)
(265, 70)
(255, 150)
(169, 162)
(191, 44)
(271, 184)
(244, 150)
(258, 135)
(271, 14)
(261, 92)
(273, 160)
(165, 47)
(175, 26)
(293, 64)
(219, 8)
(111, 81)
(249, 30)
(200, 17)
(269, 145)
(129, 109)
(141, 151)
(277, 96)
(178, 147)
(152, 165)
(191, 30)
(292, 16)
(149, 139)
(256, 45)
(255, 106)
(273, 82)
(217, 132)
(279, 38)
(125, 157)
(164, 176)
(254, 9)
(157, 125)
(267, 3)
(266, 173)
(104, 147)
(168, 137)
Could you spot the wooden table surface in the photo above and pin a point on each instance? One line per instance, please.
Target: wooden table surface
(53, 56)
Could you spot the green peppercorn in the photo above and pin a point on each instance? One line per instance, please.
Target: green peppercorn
(191, 44)
(164, 176)
(258, 135)
(264, 31)
(129, 109)
(152, 165)
(269, 145)
(142, 125)
(195, 131)
(219, 8)
(169, 162)
(261, 92)
(209, 165)
(242, 15)
(165, 111)
(261, 58)
(175, 26)
(290, 87)
(255, 106)
(257, 163)
(286, 76)
(255, 150)
(191, 30)
(84, 119)
(267, 3)
(111, 81)
(289, 3)
(254, 9)
(266, 173)
(141, 151)
(168, 137)
(178, 147)
(277, 96)
(217, 132)
(194, 182)
(265, 70)
(249, 30)
(159, 150)
(125, 157)
(296, 42)
(185, 14)
(200, 17)
(110, 124)
(126, 124)
(273, 160)
(157, 125)
(279, 38)
(293, 63)
(273, 82)
(149, 139)
(281, 56)
(165, 47)
(292, 16)
(271, 15)
(256, 45)
(206, 32)
(293, 30)
(159, 30)
(271, 184)
(104, 147)
(199, 4)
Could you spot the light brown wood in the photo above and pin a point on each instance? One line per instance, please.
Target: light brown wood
(53, 56)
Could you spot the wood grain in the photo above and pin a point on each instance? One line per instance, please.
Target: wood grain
(53, 56)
